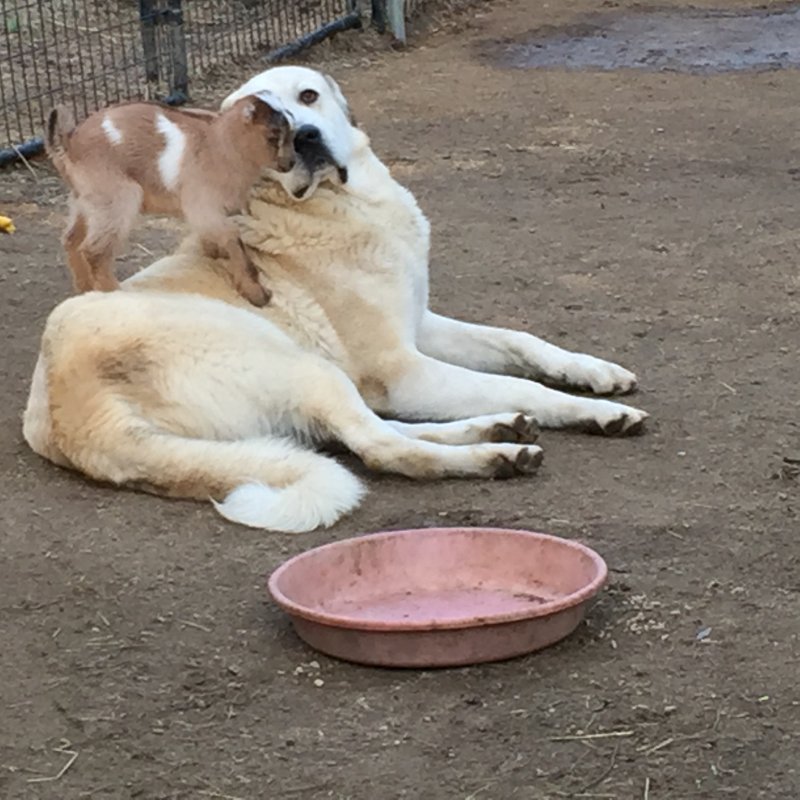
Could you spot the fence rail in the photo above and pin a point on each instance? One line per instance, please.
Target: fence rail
(88, 53)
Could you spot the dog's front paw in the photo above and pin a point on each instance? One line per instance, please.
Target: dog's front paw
(598, 376)
(613, 419)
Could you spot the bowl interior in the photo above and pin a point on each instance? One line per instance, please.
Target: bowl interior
(438, 578)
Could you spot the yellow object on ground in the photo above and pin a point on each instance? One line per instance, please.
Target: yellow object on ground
(6, 225)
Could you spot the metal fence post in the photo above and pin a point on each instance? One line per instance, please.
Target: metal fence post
(179, 81)
(147, 23)
(88, 53)
(379, 15)
(397, 19)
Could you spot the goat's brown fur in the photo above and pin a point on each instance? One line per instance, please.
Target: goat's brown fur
(118, 163)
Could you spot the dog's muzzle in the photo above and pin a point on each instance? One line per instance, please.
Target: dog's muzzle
(314, 154)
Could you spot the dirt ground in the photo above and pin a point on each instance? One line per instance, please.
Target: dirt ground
(647, 217)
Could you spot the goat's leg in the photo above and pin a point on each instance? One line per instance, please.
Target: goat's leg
(111, 213)
(245, 273)
(220, 237)
(72, 240)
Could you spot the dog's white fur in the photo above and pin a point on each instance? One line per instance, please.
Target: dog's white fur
(176, 385)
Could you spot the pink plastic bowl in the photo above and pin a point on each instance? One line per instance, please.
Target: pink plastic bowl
(438, 597)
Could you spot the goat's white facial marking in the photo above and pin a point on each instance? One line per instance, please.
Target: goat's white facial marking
(113, 133)
(169, 162)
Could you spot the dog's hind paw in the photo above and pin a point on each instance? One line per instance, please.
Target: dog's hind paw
(521, 430)
(524, 462)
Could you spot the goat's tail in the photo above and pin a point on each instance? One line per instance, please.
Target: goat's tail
(60, 125)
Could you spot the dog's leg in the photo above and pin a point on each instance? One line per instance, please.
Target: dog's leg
(423, 388)
(507, 352)
(334, 402)
(261, 482)
(488, 428)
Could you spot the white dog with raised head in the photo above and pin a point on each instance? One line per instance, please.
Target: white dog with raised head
(177, 386)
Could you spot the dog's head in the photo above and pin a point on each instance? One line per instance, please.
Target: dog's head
(325, 136)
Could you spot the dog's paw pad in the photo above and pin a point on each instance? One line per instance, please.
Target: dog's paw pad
(523, 430)
(634, 427)
(630, 423)
(526, 461)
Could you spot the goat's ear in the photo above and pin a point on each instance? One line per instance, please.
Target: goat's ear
(249, 109)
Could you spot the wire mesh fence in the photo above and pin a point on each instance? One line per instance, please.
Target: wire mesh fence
(88, 53)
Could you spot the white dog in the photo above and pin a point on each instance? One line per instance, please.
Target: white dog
(177, 386)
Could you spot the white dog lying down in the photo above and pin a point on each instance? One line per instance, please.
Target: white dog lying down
(177, 386)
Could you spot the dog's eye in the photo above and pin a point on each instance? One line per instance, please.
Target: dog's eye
(309, 97)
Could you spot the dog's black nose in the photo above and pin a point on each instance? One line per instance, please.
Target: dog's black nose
(307, 134)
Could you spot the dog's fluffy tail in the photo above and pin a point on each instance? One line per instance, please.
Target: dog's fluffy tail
(298, 490)
(59, 127)
(317, 498)
(262, 482)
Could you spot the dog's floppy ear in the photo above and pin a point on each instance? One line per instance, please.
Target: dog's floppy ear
(231, 99)
(274, 102)
(340, 99)
(251, 87)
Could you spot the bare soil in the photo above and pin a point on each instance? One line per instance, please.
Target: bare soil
(647, 217)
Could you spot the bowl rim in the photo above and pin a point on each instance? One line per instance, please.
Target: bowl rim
(341, 621)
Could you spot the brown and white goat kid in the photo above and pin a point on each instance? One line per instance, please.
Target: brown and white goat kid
(147, 158)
